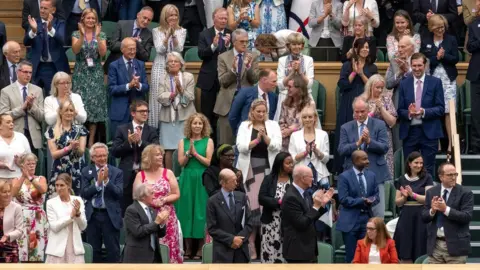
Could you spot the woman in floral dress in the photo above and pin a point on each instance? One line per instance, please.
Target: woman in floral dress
(274, 16)
(166, 192)
(29, 191)
(244, 14)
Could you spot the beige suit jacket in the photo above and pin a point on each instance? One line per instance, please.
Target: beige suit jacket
(184, 111)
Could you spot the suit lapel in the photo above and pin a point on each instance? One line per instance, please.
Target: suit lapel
(142, 213)
(16, 93)
(300, 197)
(425, 85)
(355, 130)
(452, 196)
(355, 181)
(224, 206)
(122, 68)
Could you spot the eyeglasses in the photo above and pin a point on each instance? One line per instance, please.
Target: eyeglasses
(242, 41)
(371, 229)
(143, 111)
(26, 72)
(451, 174)
(173, 61)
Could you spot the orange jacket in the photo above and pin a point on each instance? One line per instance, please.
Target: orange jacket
(388, 254)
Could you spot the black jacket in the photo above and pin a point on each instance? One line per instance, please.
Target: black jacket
(450, 59)
(211, 181)
(266, 198)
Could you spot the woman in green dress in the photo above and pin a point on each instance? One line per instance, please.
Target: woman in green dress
(194, 155)
(89, 44)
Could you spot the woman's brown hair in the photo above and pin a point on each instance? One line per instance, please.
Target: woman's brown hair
(402, 13)
(65, 177)
(188, 125)
(382, 234)
(299, 82)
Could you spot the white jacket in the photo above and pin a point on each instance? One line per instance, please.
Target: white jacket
(51, 109)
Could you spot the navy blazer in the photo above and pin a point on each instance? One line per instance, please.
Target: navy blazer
(117, 81)
(55, 46)
(449, 60)
(433, 103)
(376, 150)
(473, 47)
(241, 106)
(112, 195)
(351, 202)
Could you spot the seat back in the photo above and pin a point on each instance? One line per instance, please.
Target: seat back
(399, 163)
(306, 47)
(88, 256)
(420, 259)
(165, 253)
(70, 55)
(325, 253)
(192, 55)
(109, 28)
(153, 25)
(380, 56)
(177, 169)
(207, 253)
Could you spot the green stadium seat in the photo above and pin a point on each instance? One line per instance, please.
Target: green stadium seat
(207, 253)
(165, 253)
(420, 259)
(398, 163)
(338, 246)
(380, 56)
(306, 47)
(109, 28)
(70, 55)
(192, 55)
(88, 256)
(390, 206)
(153, 54)
(325, 253)
(153, 25)
(177, 169)
(467, 111)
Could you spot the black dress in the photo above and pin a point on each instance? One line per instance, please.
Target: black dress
(411, 233)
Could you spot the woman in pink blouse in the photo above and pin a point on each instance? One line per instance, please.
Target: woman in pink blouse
(403, 25)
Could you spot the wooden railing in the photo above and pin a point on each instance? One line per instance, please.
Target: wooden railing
(455, 140)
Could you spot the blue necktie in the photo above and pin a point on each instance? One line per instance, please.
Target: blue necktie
(26, 112)
(362, 127)
(45, 43)
(231, 203)
(220, 42)
(440, 215)
(239, 71)
(14, 73)
(152, 237)
(130, 70)
(136, 32)
(363, 190)
(98, 197)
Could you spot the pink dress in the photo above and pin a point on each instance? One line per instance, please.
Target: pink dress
(161, 189)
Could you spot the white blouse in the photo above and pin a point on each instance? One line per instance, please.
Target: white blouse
(18, 146)
(51, 109)
(374, 256)
(355, 11)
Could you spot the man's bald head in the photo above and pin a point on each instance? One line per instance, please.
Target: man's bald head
(303, 176)
(360, 159)
(228, 180)
(406, 46)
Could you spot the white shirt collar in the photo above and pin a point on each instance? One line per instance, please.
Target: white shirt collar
(364, 122)
(20, 86)
(422, 79)
(217, 31)
(442, 190)
(260, 91)
(356, 171)
(299, 189)
(126, 61)
(235, 52)
(142, 205)
(135, 125)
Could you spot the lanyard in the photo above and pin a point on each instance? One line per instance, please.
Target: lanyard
(172, 89)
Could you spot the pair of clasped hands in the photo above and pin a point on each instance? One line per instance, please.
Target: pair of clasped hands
(413, 112)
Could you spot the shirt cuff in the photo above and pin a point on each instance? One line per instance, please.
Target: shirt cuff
(140, 143)
(316, 208)
(126, 87)
(161, 226)
(213, 47)
(98, 187)
(140, 88)
(31, 34)
(423, 115)
(447, 211)
(52, 32)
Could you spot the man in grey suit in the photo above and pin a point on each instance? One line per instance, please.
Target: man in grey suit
(24, 101)
(370, 135)
(137, 29)
(228, 221)
(237, 68)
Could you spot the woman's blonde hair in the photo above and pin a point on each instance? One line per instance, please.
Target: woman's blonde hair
(295, 38)
(255, 104)
(88, 11)
(237, 3)
(188, 126)
(56, 79)
(437, 20)
(57, 129)
(166, 11)
(27, 157)
(372, 81)
(147, 155)
(382, 234)
(4, 183)
(308, 110)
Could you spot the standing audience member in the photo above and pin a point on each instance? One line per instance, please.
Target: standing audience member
(355, 8)
(399, 67)
(32, 8)
(229, 221)
(274, 16)
(165, 193)
(424, 10)
(192, 17)
(244, 14)
(421, 107)
(73, 13)
(194, 155)
(270, 196)
(13, 145)
(46, 37)
(473, 75)
(29, 191)
(66, 219)
(210, 7)
(357, 192)
(3, 37)
(176, 96)
(411, 233)
(11, 50)
(167, 37)
(403, 27)
(469, 11)
(359, 32)
(448, 211)
(258, 142)
(299, 213)
(102, 190)
(27, 109)
(12, 225)
(128, 144)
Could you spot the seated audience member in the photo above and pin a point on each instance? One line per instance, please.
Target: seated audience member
(223, 158)
(377, 247)
(359, 32)
(32, 8)
(473, 75)
(165, 193)
(66, 219)
(258, 142)
(29, 191)
(128, 144)
(245, 14)
(8, 75)
(403, 26)
(366, 8)
(46, 37)
(243, 100)
(102, 190)
(270, 196)
(448, 212)
(399, 67)
(421, 107)
(441, 50)
(424, 10)
(66, 142)
(325, 19)
(125, 89)
(229, 229)
(12, 225)
(136, 29)
(358, 193)
(143, 228)
(13, 145)
(299, 211)
(73, 13)
(177, 97)
(411, 233)
(27, 112)
(273, 46)
(237, 68)
(293, 64)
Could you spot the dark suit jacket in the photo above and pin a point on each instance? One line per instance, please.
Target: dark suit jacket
(211, 182)
(4, 73)
(3, 39)
(266, 198)
(30, 7)
(447, 8)
(351, 202)
(223, 226)
(137, 238)
(455, 225)
(125, 29)
(348, 44)
(376, 150)
(449, 60)
(242, 103)
(117, 81)
(180, 4)
(67, 7)
(473, 46)
(112, 195)
(55, 46)
(432, 102)
(208, 71)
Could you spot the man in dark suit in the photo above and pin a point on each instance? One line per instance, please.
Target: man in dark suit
(192, 17)
(127, 82)
(228, 221)
(212, 42)
(9, 67)
(370, 135)
(143, 228)
(421, 109)
(46, 36)
(128, 144)
(102, 190)
(299, 213)
(267, 83)
(448, 211)
(424, 9)
(357, 192)
(72, 12)
(3, 38)
(138, 30)
(32, 8)
(473, 75)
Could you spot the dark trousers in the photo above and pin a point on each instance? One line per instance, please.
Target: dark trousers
(326, 52)
(191, 21)
(71, 25)
(129, 178)
(208, 98)
(239, 256)
(115, 123)
(475, 105)
(417, 141)
(44, 76)
(129, 9)
(157, 7)
(350, 238)
(100, 231)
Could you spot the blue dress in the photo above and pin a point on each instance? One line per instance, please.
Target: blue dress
(245, 24)
(273, 18)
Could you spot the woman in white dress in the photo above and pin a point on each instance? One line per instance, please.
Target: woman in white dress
(167, 37)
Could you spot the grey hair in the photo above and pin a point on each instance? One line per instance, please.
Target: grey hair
(238, 32)
(6, 46)
(56, 78)
(357, 99)
(141, 191)
(179, 58)
(125, 40)
(97, 145)
(410, 39)
(24, 63)
(299, 171)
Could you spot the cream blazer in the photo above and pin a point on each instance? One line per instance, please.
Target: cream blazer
(13, 224)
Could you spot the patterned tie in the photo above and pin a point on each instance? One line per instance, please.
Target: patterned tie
(363, 190)
(98, 197)
(239, 71)
(26, 113)
(45, 43)
(307, 199)
(136, 32)
(362, 127)
(130, 70)
(138, 129)
(14, 73)
(440, 215)
(82, 4)
(152, 237)
(418, 95)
